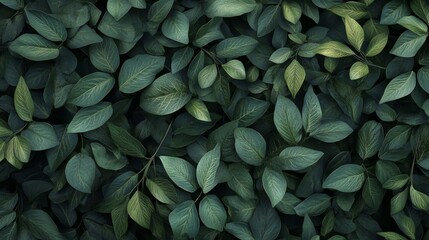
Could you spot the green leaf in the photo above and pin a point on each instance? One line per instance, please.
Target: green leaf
(331, 131)
(250, 146)
(14, 4)
(354, 32)
(235, 69)
(372, 193)
(207, 169)
(399, 87)
(393, 11)
(228, 8)
(419, 199)
(294, 76)
(408, 44)
(176, 27)
(159, 10)
(181, 59)
(406, 224)
(41, 136)
(34, 47)
(184, 220)
(120, 220)
(209, 32)
(126, 143)
(370, 139)
(268, 20)
(297, 158)
(90, 118)
(358, 70)
(314, 205)
(162, 189)
(212, 212)
(398, 202)
(47, 26)
(249, 110)
(274, 184)
(105, 55)
(287, 119)
(291, 11)
(391, 236)
(198, 110)
(106, 159)
(139, 72)
(165, 95)
(421, 9)
(23, 102)
(140, 209)
(377, 44)
(91, 89)
(353, 9)
(347, 178)
(413, 24)
(239, 230)
(18, 151)
(4, 129)
(207, 76)
(334, 49)
(236, 46)
(181, 172)
(80, 172)
(311, 110)
(41, 225)
(241, 181)
(281, 55)
(118, 8)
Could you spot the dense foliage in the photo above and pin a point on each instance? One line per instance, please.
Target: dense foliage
(214, 119)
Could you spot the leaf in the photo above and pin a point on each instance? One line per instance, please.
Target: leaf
(162, 189)
(207, 76)
(235, 69)
(91, 89)
(23, 102)
(291, 11)
(287, 119)
(176, 27)
(228, 8)
(250, 146)
(184, 220)
(358, 70)
(413, 24)
(47, 26)
(120, 220)
(241, 181)
(181, 59)
(239, 230)
(331, 131)
(118, 8)
(311, 111)
(274, 184)
(41, 136)
(140, 209)
(399, 87)
(334, 49)
(212, 213)
(41, 225)
(408, 44)
(90, 118)
(314, 205)
(139, 72)
(372, 193)
(18, 151)
(80, 172)
(236, 46)
(377, 44)
(209, 32)
(391, 236)
(353, 9)
(249, 110)
(294, 76)
(34, 47)
(105, 55)
(126, 143)
(393, 11)
(347, 178)
(419, 199)
(370, 139)
(281, 55)
(181, 172)
(354, 32)
(198, 110)
(207, 169)
(106, 159)
(297, 158)
(165, 95)
(268, 20)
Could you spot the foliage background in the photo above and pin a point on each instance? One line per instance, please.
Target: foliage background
(214, 119)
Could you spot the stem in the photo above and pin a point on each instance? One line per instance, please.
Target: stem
(199, 195)
(213, 57)
(412, 171)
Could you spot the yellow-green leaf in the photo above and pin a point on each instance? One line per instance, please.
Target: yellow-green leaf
(358, 70)
(24, 105)
(354, 32)
(294, 76)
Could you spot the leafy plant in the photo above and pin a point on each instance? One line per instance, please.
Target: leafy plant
(214, 119)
